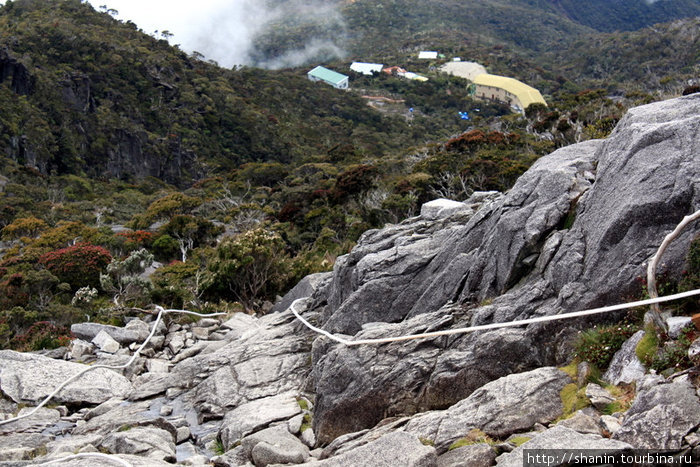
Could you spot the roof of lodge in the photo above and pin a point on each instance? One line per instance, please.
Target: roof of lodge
(327, 75)
(526, 94)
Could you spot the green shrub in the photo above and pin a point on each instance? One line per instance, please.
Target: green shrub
(598, 345)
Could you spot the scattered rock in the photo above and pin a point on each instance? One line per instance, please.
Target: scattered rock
(610, 424)
(275, 446)
(676, 324)
(599, 397)
(304, 288)
(625, 367)
(392, 449)
(661, 416)
(440, 208)
(125, 335)
(80, 349)
(22, 446)
(476, 455)
(250, 417)
(36, 423)
(105, 343)
(560, 437)
(582, 423)
(30, 378)
(148, 441)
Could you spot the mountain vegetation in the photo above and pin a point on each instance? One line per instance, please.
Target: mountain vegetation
(118, 149)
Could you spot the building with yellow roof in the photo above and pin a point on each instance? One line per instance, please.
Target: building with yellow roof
(507, 90)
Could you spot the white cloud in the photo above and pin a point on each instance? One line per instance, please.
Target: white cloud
(225, 30)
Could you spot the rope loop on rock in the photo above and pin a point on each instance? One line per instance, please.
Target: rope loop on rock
(484, 327)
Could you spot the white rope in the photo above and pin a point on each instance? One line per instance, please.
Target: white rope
(483, 327)
(109, 457)
(161, 312)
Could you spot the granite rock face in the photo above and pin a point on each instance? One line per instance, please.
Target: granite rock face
(574, 232)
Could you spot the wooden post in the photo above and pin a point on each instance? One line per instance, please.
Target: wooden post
(651, 270)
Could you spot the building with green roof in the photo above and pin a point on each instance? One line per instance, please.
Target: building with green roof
(335, 79)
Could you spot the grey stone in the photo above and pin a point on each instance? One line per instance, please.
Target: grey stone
(561, 437)
(30, 378)
(610, 424)
(308, 437)
(694, 350)
(275, 446)
(270, 360)
(250, 417)
(661, 416)
(582, 423)
(392, 449)
(88, 331)
(625, 367)
(158, 365)
(304, 288)
(72, 444)
(236, 457)
(105, 343)
(676, 324)
(294, 423)
(183, 434)
(21, 446)
(442, 207)
(79, 349)
(148, 441)
(508, 405)
(36, 423)
(476, 455)
(104, 407)
(599, 397)
(175, 341)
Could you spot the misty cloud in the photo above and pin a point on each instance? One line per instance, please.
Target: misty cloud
(271, 34)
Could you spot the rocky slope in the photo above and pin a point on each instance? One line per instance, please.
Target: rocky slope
(574, 232)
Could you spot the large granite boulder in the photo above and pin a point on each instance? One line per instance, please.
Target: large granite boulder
(661, 416)
(30, 378)
(575, 232)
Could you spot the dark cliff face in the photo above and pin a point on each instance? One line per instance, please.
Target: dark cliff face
(21, 81)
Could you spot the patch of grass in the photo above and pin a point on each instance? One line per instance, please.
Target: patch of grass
(219, 448)
(519, 440)
(306, 424)
(571, 369)
(475, 436)
(303, 404)
(573, 399)
(426, 441)
(647, 347)
(124, 428)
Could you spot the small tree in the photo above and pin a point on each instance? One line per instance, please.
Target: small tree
(250, 266)
(78, 265)
(123, 278)
(24, 227)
